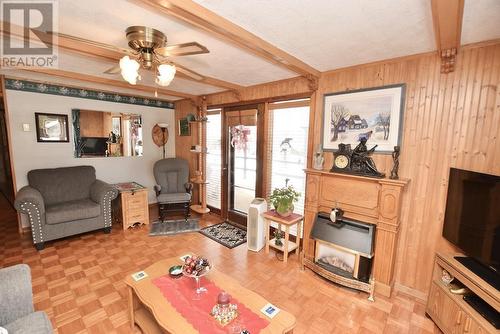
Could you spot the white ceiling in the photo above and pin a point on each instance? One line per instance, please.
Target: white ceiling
(330, 34)
(326, 34)
(481, 21)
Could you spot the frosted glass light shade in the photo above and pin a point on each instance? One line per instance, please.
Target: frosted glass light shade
(129, 69)
(166, 73)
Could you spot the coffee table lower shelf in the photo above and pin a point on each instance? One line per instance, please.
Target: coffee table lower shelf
(146, 321)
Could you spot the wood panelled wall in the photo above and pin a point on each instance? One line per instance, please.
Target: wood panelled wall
(183, 143)
(450, 120)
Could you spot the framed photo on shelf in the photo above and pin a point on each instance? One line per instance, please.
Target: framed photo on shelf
(184, 127)
(51, 128)
(374, 113)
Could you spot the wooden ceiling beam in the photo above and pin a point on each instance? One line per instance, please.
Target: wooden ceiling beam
(98, 52)
(447, 16)
(109, 82)
(205, 19)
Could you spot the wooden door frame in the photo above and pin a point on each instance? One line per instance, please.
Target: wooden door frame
(9, 142)
(225, 212)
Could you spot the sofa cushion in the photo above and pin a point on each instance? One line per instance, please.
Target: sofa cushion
(33, 323)
(174, 198)
(72, 210)
(58, 185)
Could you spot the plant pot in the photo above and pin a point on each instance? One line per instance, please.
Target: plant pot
(284, 211)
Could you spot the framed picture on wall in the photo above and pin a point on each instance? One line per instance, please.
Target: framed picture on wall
(373, 113)
(51, 128)
(184, 128)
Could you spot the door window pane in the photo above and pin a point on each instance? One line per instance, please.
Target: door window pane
(243, 142)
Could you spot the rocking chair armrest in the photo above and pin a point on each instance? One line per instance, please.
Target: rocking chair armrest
(188, 186)
(157, 189)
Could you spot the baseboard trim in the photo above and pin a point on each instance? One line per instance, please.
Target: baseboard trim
(422, 296)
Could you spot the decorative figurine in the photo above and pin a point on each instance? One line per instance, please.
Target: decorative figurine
(361, 162)
(278, 235)
(395, 168)
(224, 312)
(318, 159)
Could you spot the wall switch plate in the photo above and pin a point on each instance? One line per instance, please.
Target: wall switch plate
(26, 127)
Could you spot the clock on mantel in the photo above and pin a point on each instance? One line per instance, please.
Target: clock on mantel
(357, 161)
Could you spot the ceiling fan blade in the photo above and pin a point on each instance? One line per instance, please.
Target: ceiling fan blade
(184, 49)
(113, 70)
(93, 43)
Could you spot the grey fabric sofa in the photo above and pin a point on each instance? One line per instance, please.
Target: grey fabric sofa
(61, 202)
(17, 315)
(173, 186)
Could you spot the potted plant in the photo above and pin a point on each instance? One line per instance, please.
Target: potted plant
(283, 199)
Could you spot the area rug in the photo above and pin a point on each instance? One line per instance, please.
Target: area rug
(225, 234)
(171, 227)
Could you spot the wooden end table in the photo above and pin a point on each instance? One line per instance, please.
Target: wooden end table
(288, 246)
(131, 206)
(149, 309)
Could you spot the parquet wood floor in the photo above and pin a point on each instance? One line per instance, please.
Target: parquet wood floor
(78, 281)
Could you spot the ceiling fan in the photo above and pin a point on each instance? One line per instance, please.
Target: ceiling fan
(148, 50)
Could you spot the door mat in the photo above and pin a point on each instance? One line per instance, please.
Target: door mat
(225, 234)
(171, 227)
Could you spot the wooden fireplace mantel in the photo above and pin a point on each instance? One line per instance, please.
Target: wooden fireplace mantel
(372, 200)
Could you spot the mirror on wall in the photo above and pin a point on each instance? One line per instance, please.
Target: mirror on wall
(107, 134)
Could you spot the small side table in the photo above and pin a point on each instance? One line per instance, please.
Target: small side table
(288, 246)
(131, 206)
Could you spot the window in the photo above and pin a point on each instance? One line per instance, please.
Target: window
(290, 127)
(214, 161)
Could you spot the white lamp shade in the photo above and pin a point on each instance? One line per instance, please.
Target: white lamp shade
(162, 125)
(166, 73)
(129, 69)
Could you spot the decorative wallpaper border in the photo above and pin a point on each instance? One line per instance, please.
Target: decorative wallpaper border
(85, 93)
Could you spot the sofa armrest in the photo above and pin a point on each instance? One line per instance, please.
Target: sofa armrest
(29, 201)
(16, 296)
(157, 190)
(28, 196)
(103, 193)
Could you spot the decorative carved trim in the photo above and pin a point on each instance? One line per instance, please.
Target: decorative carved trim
(237, 95)
(448, 59)
(313, 82)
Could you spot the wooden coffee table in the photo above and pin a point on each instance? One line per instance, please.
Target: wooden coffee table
(153, 313)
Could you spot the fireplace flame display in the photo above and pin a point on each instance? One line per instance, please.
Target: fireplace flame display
(336, 262)
(344, 248)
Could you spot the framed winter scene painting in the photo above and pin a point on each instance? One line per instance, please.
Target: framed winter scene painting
(374, 113)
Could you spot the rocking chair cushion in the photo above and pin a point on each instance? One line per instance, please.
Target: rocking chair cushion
(174, 198)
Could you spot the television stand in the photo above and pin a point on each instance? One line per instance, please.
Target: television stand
(450, 312)
(487, 274)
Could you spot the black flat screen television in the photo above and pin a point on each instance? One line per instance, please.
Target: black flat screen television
(94, 146)
(472, 217)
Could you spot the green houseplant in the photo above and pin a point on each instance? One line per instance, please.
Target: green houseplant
(283, 199)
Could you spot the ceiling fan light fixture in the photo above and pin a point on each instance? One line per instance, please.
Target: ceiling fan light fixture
(166, 73)
(129, 70)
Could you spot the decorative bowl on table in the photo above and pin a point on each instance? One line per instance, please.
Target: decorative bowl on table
(196, 267)
(175, 271)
